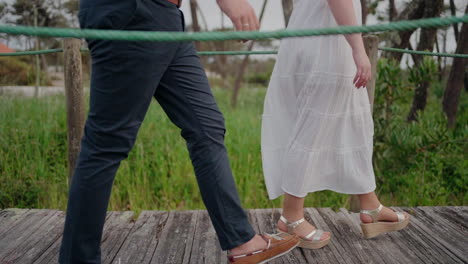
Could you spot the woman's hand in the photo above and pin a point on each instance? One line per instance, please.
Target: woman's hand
(363, 66)
(241, 14)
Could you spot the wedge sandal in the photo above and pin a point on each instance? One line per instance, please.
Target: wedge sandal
(311, 241)
(377, 227)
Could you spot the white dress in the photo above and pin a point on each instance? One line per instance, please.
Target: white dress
(317, 127)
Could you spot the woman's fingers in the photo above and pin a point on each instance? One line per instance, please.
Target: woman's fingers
(363, 75)
(356, 78)
(237, 23)
(245, 23)
(366, 78)
(252, 20)
(255, 21)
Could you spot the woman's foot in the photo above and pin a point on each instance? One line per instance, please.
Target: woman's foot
(385, 215)
(382, 220)
(302, 230)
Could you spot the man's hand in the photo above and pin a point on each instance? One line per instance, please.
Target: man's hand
(241, 14)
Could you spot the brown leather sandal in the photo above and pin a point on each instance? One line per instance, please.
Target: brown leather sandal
(276, 247)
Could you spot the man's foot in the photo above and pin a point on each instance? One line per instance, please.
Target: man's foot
(256, 243)
(273, 247)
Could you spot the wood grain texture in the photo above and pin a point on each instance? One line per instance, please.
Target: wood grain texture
(10, 217)
(140, 245)
(205, 247)
(435, 235)
(74, 94)
(50, 255)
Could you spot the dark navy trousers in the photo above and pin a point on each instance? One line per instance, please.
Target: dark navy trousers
(125, 77)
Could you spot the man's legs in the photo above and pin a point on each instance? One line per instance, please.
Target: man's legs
(185, 96)
(124, 78)
(120, 96)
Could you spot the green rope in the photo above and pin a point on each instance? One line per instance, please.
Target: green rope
(233, 35)
(34, 52)
(201, 53)
(268, 52)
(425, 53)
(210, 53)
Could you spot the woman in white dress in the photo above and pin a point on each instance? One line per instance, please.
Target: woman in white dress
(317, 125)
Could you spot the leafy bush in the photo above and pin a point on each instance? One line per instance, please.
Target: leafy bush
(259, 78)
(424, 153)
(15, 71)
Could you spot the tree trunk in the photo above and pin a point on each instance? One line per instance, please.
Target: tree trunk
(195, 25)
(392, 12)
(453, 12)
(413, 10)
(287, 10)
(439, 60)
(456, 78)
(426, 42)
(240, 73)
(364, 11)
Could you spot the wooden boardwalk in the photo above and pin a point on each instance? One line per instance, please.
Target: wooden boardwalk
(435, 235)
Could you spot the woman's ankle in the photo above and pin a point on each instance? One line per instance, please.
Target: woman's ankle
(369, 201)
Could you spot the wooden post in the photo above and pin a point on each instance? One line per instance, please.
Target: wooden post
(74, 97)
(371, 44)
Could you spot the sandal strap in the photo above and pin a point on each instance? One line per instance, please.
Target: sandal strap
(373, 213)
(315, 235)
(297, 223)
(401, 216)
(292, 225)
(284, 220)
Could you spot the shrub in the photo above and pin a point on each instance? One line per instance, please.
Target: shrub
(14, 71)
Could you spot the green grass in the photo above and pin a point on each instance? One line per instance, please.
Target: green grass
(416, 164)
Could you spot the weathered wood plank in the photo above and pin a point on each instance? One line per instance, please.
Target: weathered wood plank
(10, 217)
(39, 241)
(454, 217)
(338, 251)
(140, 245)
(175, 243)
(444, 240)
(50, 255)
(372, 251)
(205, 247)
(416, 239)
(350, 235)
(116, 230)
(23, 230)
(435, 235)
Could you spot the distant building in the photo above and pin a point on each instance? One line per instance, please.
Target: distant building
(5, 49)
